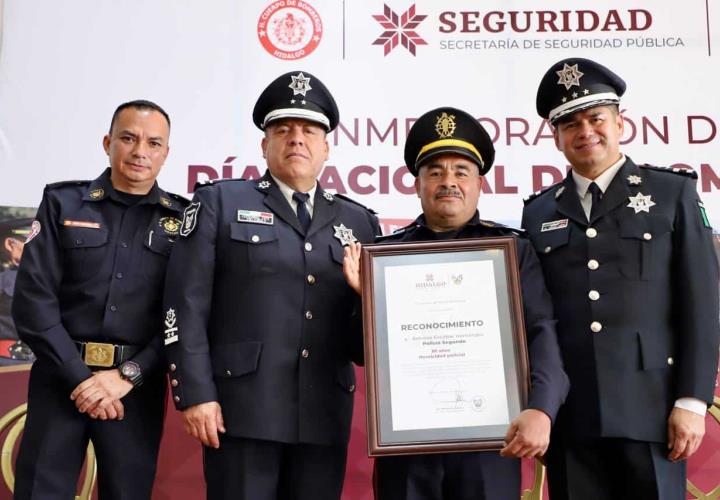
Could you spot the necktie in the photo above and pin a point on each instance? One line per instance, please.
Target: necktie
(302, 212)
(597, 194)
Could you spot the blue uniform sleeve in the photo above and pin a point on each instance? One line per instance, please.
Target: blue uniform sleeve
(36, 307)
(696, 285)
(549, 384)
(188, 300)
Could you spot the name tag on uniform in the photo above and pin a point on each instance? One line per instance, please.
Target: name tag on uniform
(81, 223)
(553, 225)
(253, 217)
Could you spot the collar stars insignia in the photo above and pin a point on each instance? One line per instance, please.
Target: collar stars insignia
(300, 84)
(264, 184)
(328, 196)
(559, 192)
(96, 194)
(165, 202)
(445, 125)
(634, 180)
(344, 235)
(641, 203)
(569, 76)
(170, 225)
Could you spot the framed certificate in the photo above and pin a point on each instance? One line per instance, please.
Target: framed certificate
(445, 352)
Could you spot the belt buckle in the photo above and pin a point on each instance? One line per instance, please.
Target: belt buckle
(99, 354)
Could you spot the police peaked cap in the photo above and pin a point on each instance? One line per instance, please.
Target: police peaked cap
(576, 84)
(299, 95)
(16, 228)
(448, 130)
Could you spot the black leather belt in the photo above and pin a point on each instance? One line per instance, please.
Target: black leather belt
(102, 355)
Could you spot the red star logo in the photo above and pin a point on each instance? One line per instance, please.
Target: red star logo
(399, 29)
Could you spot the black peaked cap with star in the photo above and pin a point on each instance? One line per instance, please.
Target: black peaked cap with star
(448, 130)
(297, 94)
(15, 228)
(576, 84)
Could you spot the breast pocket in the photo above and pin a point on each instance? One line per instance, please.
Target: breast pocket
(256, 247)
(156, 250)
(550, 244)
(643, 242)
(85, 249)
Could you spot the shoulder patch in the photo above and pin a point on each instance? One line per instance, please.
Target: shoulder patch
(680, 171)
(56, 185)
(536, 194)
(343, 197)
(212, 182)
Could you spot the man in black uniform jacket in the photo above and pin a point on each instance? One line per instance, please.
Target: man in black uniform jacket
(628, 257)
(87, 300)
(261, 328)
(449, 152)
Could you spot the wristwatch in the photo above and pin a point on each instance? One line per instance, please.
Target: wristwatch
(130, 371)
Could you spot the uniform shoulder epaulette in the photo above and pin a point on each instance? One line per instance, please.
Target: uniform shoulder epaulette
(536, 194)
(343, 197)
(178, 197)
(502, 228)
(56, 185)
(213, 182)
(680, 171)
(397, 233)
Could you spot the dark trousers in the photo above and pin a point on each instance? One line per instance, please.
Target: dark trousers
(614, 469)
(251, 469)
(56, 436)
(452, 476)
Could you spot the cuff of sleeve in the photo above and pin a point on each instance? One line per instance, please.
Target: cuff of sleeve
(75, 371)
(692, 404)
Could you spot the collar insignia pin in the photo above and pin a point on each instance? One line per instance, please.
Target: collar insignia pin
(634, 180)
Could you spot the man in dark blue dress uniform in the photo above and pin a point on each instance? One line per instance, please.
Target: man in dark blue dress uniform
(627, 254)
(88, 301)
(260, 326)
(449, 152)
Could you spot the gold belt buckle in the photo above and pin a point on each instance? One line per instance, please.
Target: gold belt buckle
(99, 354)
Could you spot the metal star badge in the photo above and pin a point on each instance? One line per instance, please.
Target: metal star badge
(641, 203)
(344, 235)
(634, 180)
(569, 76)
(300, 84)
(328, 196)
(264, 184)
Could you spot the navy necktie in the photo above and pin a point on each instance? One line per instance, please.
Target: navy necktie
(597, 195)
(302, 212)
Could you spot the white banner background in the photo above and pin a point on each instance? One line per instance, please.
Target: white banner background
(65, 66)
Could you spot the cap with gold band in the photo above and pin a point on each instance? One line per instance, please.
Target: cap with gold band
(15, 228)
(448, 130)
(576, 84)
(296, 95)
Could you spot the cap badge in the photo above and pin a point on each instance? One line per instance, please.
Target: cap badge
(634, 180)
(641, 203)
(344, 235)
(300, 84)
(569, 76)
(97, 193)
(445, 125)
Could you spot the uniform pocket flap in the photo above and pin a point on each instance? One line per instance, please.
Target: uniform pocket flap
(337, 253)
(159, 244)
(655, 350)
(546, 242)
(252, 233)
(83, 237)
(235, 360)
(644, 228)
(346, 377)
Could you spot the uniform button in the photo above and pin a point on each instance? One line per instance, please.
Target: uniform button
(351, 388)
(547, 249)
(593, 264)
(176, 399)
(308, 246)
(591, 232)
(671, 361)
(228, 372)
(594, 295)
(311, 279)
(596, 326)
(119, 276)
(113, 308)
(647, 236)
(173, 367)
(255, 238)
(123, 244)
(174, 382)
(305, 353)
(308, 315)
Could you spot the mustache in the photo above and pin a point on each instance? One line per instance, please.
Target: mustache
(448, 192)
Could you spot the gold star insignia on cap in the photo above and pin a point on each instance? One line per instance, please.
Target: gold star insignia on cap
(97, 193)
(445, 125)
(569, 76)
(300, 84)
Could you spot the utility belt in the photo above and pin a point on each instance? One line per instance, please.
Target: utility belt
(101, 355)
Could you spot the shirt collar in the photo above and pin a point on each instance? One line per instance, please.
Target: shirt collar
(603, 180)
(287, 192)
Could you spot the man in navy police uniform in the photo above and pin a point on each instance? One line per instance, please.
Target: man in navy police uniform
(261, 327)
(87, 300)
(628, 258)
(449, 152)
